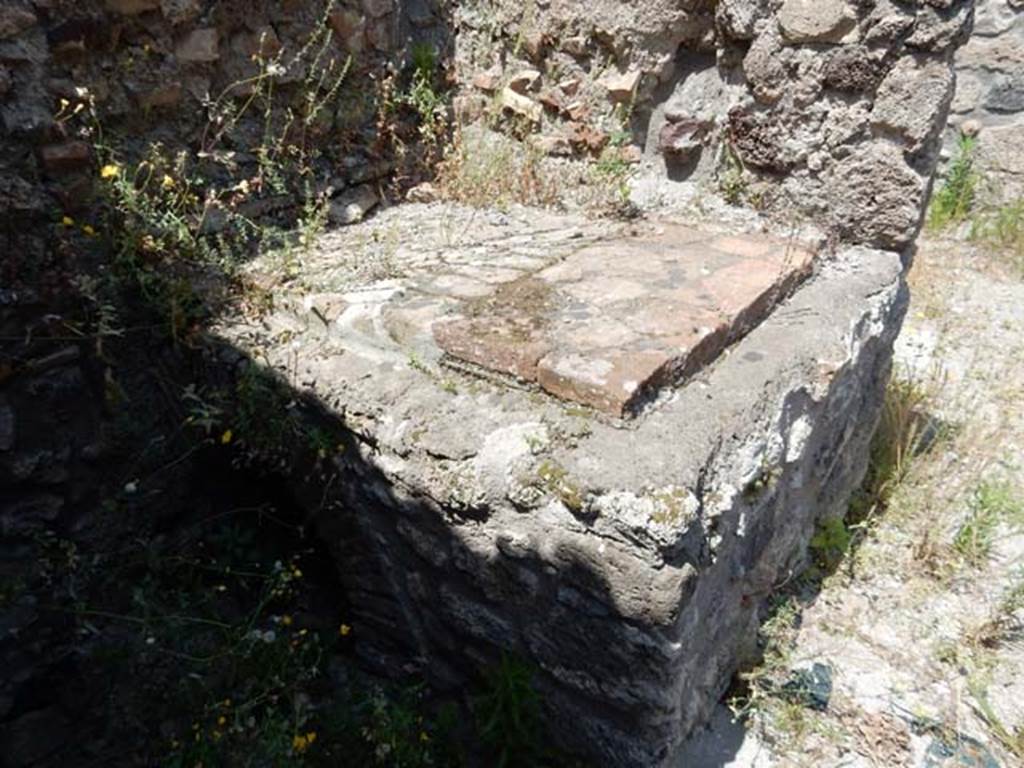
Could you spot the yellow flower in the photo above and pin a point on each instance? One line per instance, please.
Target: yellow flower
(88, 230)
(226, 437)
(286, 620)
(110, 171)
(167, 182)
(221, 720)
(67, 221)
(302, 741)
(424, 737)
(345, 630)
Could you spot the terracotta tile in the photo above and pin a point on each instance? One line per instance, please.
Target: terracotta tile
(748, 247)
(617, 320)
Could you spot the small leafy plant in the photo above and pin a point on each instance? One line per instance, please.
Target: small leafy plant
(1002, 228)
(993, 504)
(954, 201)
(508, 715)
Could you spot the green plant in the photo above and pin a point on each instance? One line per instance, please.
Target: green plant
(613, 172)
(483, 169)
(830, 543)
(173, 212)
(423, 97)
(556, 480)
(761, 690)
(992, 504)
(955, 199)
(1013, 740)
(1002, 228)
(262, 415)
(731, 175)
(904, 431)
(509, 715)
(205, 410)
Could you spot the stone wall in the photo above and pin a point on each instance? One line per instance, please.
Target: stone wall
(152, 68)
(989, 99)
(149, 68)
(831, 108)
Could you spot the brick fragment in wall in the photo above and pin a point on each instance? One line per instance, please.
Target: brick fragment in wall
(66, 156)
(349, 27)
(854, 68)
(181, 11)
(132, 7)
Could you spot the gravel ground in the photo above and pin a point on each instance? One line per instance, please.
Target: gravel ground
(919, 631)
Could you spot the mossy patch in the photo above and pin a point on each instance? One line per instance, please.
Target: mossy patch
(556, 480)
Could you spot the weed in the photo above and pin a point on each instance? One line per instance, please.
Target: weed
(955, 199)
(262, 414)
(205, 410)
(732, 180)
(830, 543)
(904, 431)
(1002, 229)
(671, 506)
(610, 176)
(483, 169)
(556, 480)
(172, 213)
(1005, 622)
(767, 476)
(423, 97)
(766, 690)
(509, 715)
(1012, 741)
(993, 504)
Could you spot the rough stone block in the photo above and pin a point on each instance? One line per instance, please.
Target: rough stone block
(15, 20)
(807, 21)
(877, 196)
(626, 560)
(199, 45)
(913, 100)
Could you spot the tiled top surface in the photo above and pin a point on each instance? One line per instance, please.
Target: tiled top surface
(618, 320)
